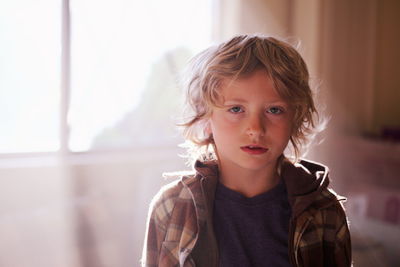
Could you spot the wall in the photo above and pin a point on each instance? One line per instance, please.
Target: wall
(35, 216)
(81, 211)
(386, 111)
(359, 42)
(258, 16)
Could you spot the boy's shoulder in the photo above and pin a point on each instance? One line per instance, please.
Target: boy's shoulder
(308, 186)
(172, 195)
(175, 190)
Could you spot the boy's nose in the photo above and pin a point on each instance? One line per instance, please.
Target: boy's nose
(256, 127)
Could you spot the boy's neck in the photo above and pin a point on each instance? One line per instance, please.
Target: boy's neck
(248, 182)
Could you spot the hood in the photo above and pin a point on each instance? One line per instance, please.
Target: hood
(307, 185)
(306, 182)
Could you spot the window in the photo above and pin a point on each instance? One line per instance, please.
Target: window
(29, 75)
(125, 60)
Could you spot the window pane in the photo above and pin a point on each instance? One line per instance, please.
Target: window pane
(126, 58)
(29, 75)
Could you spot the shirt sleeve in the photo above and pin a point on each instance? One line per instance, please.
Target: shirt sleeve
(155, 233)
(343, 257)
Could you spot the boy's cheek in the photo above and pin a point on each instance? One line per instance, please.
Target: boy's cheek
(224, 131)
(224, 120)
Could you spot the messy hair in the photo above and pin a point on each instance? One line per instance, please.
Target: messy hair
(238, 57)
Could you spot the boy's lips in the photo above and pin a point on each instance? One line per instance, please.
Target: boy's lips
(254, 149)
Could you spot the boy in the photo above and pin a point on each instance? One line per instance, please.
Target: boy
(247, 204)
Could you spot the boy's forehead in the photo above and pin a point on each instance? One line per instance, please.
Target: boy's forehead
(252, 87)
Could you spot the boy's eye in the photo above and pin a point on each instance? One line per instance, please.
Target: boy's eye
(236, 110)
(275, 110)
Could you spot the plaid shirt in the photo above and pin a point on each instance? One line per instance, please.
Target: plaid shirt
(180, 229)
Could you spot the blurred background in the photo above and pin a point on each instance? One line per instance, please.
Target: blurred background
(89, 94)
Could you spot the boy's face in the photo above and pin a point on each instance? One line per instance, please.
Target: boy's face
(254, 126)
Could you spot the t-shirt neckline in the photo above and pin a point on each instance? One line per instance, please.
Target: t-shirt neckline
(223, 192)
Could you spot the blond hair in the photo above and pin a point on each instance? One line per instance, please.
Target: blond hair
(238, 57)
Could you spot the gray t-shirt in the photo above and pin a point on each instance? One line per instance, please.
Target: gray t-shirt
(252, 231)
